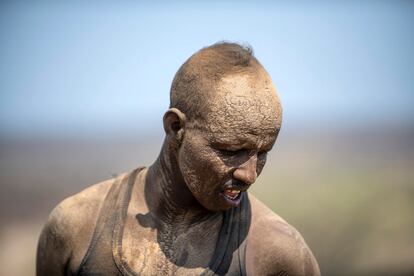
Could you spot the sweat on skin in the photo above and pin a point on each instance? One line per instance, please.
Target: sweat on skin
(189, 213)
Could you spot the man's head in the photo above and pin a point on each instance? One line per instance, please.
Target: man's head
(224, 117)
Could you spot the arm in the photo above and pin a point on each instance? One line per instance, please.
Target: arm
(53, 251)
(68, 231)
(274, 247)
(289, 255)
(298, 260)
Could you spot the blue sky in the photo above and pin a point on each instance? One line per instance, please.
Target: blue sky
(108, 65)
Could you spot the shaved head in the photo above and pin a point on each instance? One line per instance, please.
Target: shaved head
(223, 80)
(246, 103)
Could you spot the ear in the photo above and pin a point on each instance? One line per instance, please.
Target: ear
(174, 122)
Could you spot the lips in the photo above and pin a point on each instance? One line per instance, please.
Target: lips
(232, 192)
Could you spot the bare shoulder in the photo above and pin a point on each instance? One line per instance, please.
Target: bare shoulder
(79, 211)
(69, 228)
(275, 247)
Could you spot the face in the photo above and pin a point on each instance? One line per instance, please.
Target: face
(220, 158)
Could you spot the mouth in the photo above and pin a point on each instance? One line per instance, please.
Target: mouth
(232, 194)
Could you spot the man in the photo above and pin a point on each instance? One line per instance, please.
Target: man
(189, 213)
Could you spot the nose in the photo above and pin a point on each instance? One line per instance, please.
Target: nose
(246, 172)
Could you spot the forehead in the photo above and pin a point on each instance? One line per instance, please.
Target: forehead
(244, 105)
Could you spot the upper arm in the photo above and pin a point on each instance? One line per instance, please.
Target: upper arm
(274, 247)
(295, 257)
(67, 233)
(53, 251)
(282, 251)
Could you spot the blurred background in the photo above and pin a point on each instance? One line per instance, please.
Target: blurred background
(84, 84)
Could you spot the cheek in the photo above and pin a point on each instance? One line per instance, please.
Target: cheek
(189, 160)
(201, 167)
(192, 158)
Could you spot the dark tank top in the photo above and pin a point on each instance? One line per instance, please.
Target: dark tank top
(104, 254)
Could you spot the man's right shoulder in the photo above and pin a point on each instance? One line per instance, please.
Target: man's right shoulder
(80, 211)
(69, 228)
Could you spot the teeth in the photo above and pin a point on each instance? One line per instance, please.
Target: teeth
(231, 197)
(231, 193)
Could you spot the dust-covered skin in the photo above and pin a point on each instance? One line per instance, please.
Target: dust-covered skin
(219, 129)
(239, 128)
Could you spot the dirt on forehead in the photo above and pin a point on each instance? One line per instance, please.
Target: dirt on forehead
(245, 104)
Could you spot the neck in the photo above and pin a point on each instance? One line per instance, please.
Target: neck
(167, 194)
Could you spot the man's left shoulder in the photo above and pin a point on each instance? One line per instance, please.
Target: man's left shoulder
(275, 247)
